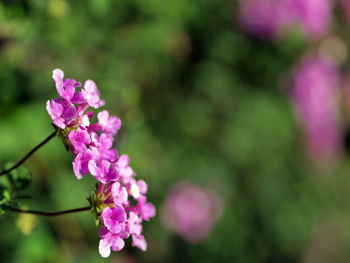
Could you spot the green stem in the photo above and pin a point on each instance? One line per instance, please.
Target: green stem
(52, 135)
(34, 212)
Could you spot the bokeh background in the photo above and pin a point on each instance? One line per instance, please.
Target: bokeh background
(248, 101)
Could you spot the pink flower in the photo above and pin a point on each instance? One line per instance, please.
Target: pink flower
(108, 124)
(103, 170)
(61, 111)
(92, 95)
(110, 240)
(125, 171)
(66, 87)
(101, 147)
(260, 17)
(345, 6)
(144, 209)
(135, 229)
(314, 94)
(113, 218)
(119, 193)
(269, 18)
(91, 144)
(139, 242)
(191, 211)
(312, 16)
(80, 164)
(79, 138)
(120, 219)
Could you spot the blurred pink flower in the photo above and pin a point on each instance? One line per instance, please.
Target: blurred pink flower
(345, 6)
(260, 17)
(269, 18)
(191, 211)
(315, 93)
(313, 16)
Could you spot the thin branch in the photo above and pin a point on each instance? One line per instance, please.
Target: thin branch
(52, 135)
(34, 212)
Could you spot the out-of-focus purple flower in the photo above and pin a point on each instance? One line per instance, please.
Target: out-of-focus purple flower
(260, 17)
(191, 211)
(268, 19)
(314, 94)
(345, 6)
(313, 16)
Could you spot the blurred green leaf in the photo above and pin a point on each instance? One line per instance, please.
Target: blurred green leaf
(20, 178)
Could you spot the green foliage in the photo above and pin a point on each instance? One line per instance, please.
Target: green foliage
(5, 198)
(20, 179)
(12, 186)
(200, 101)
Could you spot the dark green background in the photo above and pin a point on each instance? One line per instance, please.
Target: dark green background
(200, 101)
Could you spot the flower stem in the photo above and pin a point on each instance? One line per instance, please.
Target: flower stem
(41, 213)
(52, 135)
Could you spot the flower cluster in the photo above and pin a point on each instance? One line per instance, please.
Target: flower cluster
(91, 144)
(120, 218)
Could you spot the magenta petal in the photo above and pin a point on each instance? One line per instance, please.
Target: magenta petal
(120, 195)
(118, 244)
(57, 75)
(78, 98)
(113, 217)
(139, 241)
(91, 94)
(104, 248)
(80, 139)
(55, 111)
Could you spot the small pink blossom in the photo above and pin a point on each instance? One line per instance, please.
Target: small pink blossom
(144, 209)
(139, 241)
(92, 95)
(314, 94)
(80, 164)
(113, 218)
(110, 241)
(103, 171)
(125, 171)
(66, 87)
(108, 124)
(79, 138)
(119, 193)
(61, 111)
